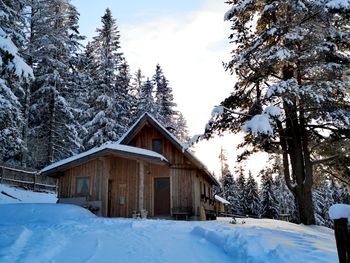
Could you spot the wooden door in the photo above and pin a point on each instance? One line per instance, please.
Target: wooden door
(162, 196)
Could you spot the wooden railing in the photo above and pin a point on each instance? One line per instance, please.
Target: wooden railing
(26, 178)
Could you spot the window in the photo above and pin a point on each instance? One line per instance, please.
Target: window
(157, 145)
(83, 185)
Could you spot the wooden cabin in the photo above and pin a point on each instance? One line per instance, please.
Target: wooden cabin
(148, 171)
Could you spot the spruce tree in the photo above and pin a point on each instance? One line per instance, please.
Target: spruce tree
(229, 192)
(135, 93)
(269, 205)
(252, 196)
(105, 119)
(14, 72)
(292, 62)
(146, 103)
(164, 99)
(53, 135)
(284, 198)
(242, 205)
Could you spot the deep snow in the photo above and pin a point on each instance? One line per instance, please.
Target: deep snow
(66, 233)
(12, 194)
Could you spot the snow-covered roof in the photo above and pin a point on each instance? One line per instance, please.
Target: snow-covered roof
(221, 200)
(114, 148)
(182, 147)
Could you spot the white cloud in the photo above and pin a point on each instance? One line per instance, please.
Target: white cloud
(190, 49)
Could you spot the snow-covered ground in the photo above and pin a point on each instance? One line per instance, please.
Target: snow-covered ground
(66, 233)
(11, 194)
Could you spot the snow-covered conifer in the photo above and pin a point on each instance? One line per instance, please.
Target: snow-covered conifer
(251, 197)
(292, 62)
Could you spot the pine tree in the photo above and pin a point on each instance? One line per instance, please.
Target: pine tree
(269, 205)
(105, 119)
(284, 198)
(123, 99)
(146, 103)
(53, 135)
(252, 196)
(13, 72)
(135, 93)
(164, 98)
(323, 200)
(229, 192)
(180, 127)
(242, 205)
(292, 65)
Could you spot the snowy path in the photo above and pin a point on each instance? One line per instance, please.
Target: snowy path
(103, 240)
(61, 233)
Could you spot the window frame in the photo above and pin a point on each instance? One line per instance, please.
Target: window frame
(160, 141)
(76, 185)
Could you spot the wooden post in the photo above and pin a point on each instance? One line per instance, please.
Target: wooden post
(141, 184)
(1, 174)
(342, 238)
(34, 182)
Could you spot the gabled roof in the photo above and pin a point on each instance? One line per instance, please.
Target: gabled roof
(114, 149)
(148, 118)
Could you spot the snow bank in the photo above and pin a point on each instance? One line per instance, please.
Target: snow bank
(41, 213)
(338, 211)
(264, 240)
(12, 194)
(60, 233)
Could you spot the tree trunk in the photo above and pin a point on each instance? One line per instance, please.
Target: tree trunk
(296, 157)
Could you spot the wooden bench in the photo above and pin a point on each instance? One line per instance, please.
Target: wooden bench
(183, 213)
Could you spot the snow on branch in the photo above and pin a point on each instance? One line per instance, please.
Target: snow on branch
(339, 4)
(17, 64)
(259, 124)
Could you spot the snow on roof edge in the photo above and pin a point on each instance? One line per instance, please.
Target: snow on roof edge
(110, 146)
(221, 200)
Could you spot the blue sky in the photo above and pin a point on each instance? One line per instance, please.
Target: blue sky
(130, 11)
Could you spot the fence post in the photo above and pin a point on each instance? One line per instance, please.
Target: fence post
(1, 174)
(342, 238)
(34, 182)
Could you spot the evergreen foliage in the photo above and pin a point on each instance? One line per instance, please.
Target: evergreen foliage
(292, 63)
(53, 134)
(269, 205)
(13, 72)
(106, 118)
(252, 198)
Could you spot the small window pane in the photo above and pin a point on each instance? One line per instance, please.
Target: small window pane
(157, 145)
(83, 185)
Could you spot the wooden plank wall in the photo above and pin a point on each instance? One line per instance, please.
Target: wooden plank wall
(184, 176)
(95, 170)
(125, 181)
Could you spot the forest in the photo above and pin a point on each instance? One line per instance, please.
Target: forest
(58, 97)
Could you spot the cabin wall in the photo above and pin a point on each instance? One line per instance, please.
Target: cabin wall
(96, 171)
(123, 184)
(186, 180)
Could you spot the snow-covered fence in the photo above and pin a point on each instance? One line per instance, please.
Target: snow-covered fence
(26, 178)
(340, 213)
